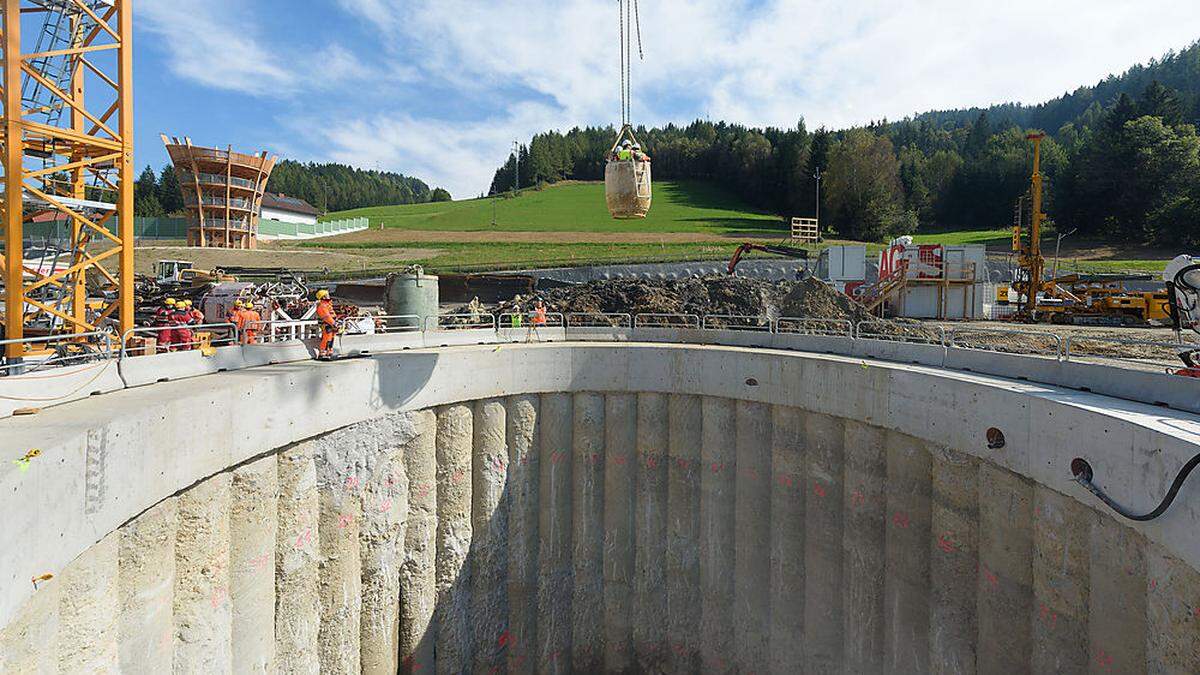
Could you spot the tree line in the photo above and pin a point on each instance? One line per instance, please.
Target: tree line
(1122, 160)
(329, 187)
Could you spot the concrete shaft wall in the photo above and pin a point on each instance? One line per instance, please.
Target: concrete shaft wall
(623, 532)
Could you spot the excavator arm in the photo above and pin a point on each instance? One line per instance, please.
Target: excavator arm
(776, 249)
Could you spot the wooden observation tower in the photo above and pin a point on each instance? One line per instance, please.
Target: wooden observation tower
(223, 192)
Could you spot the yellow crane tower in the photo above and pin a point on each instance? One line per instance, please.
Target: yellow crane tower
(67, 160)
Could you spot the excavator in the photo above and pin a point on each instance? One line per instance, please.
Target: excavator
(1182, 276)
(775, 249)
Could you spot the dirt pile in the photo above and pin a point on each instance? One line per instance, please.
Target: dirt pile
(813, 299)
(700, 296)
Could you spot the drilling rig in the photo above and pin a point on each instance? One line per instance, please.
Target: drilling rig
(1096, 299)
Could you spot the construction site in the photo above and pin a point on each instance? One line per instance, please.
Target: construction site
(808, 456)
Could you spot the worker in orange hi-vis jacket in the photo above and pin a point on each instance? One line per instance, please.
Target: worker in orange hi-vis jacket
(328, 323)
(237, 317)
(251, 321)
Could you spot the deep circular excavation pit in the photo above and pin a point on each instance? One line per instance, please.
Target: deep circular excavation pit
(598, 507)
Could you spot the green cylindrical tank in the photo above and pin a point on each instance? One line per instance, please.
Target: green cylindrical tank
(410, 293)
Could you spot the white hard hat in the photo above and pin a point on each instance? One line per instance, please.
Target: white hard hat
(626, 143)
(637, 146)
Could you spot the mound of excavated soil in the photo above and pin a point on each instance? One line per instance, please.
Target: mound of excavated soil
(700, 296)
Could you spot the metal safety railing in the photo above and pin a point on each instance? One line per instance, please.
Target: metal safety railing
(599, 320)
(519, 320)
(825, 327)
(916, 333)
(372, 324)
(276, 330)
(58, 351)
(1003, 340)
(63, 350)
(460, 322)
(181, 338)
(652, 320)
(760, 324)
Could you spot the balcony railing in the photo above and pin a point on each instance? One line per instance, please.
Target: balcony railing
(213, 179)
(235, 202)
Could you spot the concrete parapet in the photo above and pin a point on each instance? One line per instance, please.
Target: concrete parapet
(646, 508)
(58, 386)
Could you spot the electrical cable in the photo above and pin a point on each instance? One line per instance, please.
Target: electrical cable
(1084, 475)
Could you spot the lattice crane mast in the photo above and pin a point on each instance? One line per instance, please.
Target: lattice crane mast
(68, 158)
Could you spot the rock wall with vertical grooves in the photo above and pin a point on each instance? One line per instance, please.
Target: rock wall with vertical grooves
(618, 532)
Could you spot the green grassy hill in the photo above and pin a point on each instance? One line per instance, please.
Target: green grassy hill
(684, 206)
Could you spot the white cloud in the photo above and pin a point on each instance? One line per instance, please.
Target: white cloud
(836, 63)
(459, 157)
(216, 43)
(476, 75)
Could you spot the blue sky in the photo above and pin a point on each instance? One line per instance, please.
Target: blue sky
(440, 89)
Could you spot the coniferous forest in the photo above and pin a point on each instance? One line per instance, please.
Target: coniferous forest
(1122, 161)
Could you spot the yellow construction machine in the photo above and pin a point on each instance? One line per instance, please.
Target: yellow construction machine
(1097, 299)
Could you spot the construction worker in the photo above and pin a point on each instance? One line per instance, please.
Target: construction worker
(328, 321)
(250, 323)
(181, 319)
(237, 317)
(197, 315)
(163, 318)
(539, 314)
(625, 154)
(638, 155)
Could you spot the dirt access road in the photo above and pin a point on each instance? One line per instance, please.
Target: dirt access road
(272, 254)
(376, 237)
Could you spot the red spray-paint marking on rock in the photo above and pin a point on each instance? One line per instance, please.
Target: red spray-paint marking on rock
(946, 544)
(305, 538)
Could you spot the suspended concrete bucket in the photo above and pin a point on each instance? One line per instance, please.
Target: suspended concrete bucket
(626, 182)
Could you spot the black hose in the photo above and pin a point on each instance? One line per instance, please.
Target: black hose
(1083, 475)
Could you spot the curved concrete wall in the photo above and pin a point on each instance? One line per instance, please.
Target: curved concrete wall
(577, 507)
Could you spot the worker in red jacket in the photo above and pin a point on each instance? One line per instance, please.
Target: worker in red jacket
(328, 323)
(181, 318)
(164, 320)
